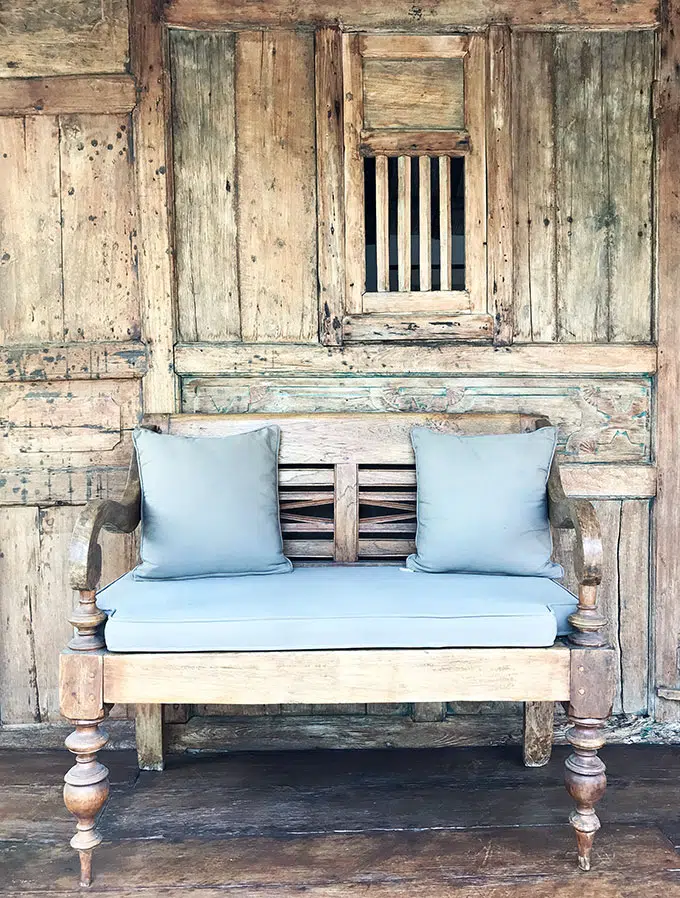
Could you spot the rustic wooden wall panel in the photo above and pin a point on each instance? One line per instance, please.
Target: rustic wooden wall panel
(204, 153)
(30, 233)
(600, 420)
(99, 220)
(583, 186)
(275, 146)
(63, 37)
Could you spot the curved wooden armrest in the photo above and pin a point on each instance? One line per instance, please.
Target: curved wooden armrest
(579, 515)
(122, 516)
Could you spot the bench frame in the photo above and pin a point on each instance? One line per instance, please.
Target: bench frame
(578, 672)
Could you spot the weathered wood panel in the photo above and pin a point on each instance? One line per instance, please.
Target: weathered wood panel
(30, 233)
(19, 584)
(546, 359)
(666, 609)
(413, 93)
(601, 420)
(99, 236)
(79, 424)
(148, 62)
(63, 37)
(113, 94)
(624, 594)
(275, 122)
(440, 16)
(204, 153)
(583, 186)
(535, 265)
(59, 484)
(73, 361)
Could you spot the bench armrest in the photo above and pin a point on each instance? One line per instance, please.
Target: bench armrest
(122, 516)
(579, 515)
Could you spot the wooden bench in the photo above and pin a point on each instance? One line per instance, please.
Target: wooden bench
(331, 468)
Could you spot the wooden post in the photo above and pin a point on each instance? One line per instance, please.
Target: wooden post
(667, 519)
(382, 223)
(149, 736)
(152, 165)
(539, 721)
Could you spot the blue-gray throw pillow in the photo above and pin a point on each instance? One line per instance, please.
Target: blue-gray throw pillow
(209, 505)
(482, 503)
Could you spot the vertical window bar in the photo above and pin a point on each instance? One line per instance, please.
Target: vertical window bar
(425, 212)
(404, 223)
(382, 221)
(445, 222)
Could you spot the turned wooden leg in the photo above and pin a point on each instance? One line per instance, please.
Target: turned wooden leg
(86, 790)
(585, 781)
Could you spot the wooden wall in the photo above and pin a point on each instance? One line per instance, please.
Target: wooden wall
(172, 236)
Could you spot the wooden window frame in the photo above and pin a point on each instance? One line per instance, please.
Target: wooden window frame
(385, 315)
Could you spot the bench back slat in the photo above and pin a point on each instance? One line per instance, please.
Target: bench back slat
(346, 481)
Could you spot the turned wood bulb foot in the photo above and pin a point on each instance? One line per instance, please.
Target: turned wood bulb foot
(585, 781)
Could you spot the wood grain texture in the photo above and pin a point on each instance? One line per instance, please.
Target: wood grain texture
(432, 301)
(372, 328)
(382, 232)
(445, 235)
(113, 94)
(353, 122)
(602, 420)
(277, 186)
(476, 115)
(356, 676)
(19, 584)
(99, 229)
(500, 212)
(101, 360)
(204, 175)
(403, 223)
(667, 523)
(346, 513)
(535, 264)
(424, 224)
(149, 736)
(406, 93)
(43, 37)
(634, 599)
(539, 719)
(449, 15)
(30, 232)
(526, 359)
(150, 129)
(413, 46)
(329, 183)
(414, 143)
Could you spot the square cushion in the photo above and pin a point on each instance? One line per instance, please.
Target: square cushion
(209, 505)
(482, 503)
(334, 607)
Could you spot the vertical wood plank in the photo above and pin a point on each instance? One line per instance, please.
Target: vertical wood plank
(276, 186)
(634, 604)
(346, 513)
(499, 185)
(608, 593)
(627, 74)
(149, 736)
(99, 220)
(147, 61)
(535, 272)
(330, 185)
(475, 174)
(204, 174)
(30, 232)
(404, 222)
(445, 222)
(277, 193)
(583, 213)
(666, 608)
(382, 223)
(353, 116)
(53, 603)
(19, 583)
(425, 222)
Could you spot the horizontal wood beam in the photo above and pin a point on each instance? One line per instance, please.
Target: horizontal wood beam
(291, 359)
(443, 16)
(68, 94)
(361, 675)
(414, 143)
(377, 327)
(73, 361)
(602, 481)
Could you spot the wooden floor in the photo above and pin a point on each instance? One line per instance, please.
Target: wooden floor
(464, 823)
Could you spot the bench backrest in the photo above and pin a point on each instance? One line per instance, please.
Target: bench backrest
(347, 482)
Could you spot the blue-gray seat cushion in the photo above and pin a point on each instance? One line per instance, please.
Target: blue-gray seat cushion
(334, 607)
